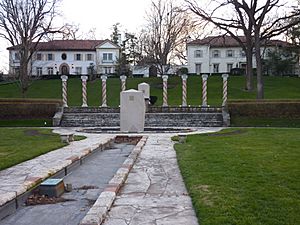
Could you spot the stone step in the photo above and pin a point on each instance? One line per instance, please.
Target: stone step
(152, 119)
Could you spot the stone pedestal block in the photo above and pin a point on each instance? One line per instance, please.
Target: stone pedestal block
(132, 111)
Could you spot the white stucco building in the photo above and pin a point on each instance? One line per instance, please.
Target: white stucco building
(220, 54)
(70, 57)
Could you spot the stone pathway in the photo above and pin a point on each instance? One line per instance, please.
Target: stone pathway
(154, 192)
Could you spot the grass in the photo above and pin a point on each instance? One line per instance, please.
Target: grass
(243, 176)
(275, 87)
(20, 144)
(264, 122)
(25, 123)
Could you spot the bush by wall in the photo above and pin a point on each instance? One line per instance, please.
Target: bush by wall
(265, 108)
(28, 108)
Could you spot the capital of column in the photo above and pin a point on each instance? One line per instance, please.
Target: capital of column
(204, 77)
(103, 78)
(84, 78)
(64, 78)
(184, 77)
(165, 77)
(123, 78)
(225, 76)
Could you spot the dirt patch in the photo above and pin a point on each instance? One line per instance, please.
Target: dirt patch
(34, 132)
(86, 187)
(229, 133)
(44, 200)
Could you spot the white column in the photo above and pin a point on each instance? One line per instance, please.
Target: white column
(184, 89)
(84, 94)
(64, 79)
(225, 78)
(204, 90)
(165, 90)
(104, 78)
(123, 82)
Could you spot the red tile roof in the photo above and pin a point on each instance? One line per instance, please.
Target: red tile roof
(228, 41)
(68, 45)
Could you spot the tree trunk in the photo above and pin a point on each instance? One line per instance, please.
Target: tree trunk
(260, 82)
(249, 70)
(23, 76)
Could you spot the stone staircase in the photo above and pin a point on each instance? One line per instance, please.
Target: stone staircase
(155, 117)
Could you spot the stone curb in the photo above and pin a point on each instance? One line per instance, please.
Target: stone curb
(99, 210)
(31, 181)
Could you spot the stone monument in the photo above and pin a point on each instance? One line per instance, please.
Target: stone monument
(145, 88)
(132, 111)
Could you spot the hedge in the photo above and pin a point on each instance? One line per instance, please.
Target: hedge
(28, 108)
(265, 108)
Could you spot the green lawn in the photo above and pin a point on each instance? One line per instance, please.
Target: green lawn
(275, 88)
(243, 176)
(21, 144)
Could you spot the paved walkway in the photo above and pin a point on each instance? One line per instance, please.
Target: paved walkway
(154, 193)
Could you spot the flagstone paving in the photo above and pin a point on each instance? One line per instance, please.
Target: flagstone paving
(154, 192)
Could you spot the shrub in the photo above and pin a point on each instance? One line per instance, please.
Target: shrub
(265, 108)
(28, 108)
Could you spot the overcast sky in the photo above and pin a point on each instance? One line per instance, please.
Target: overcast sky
(96, 14)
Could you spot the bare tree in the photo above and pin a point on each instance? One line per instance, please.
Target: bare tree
(69, 31)
(24, 23)
(167, 29)
(258, 21)
(269, 20)
(236, 24)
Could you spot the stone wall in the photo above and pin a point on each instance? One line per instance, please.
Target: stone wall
(104, 117)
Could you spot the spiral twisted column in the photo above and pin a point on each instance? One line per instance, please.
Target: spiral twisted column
(204, 90)
(184, 90)
(84, 94)
(64, 79)
(123, 82)
(165, 90)
(104, 78)
(225, 92)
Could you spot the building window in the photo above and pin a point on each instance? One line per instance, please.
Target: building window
(78, 70)
(216, 68)
(39, 71)
(230, 53)
(64, 56)
(50, 57)
(50, 70)
(107, 56)
(78, 57)
(229, 67)
(198, 54)
(216, 54)
(17, 56)
(242, 54)
(39, 56)
(16, 70)
(198, 68)
(89, 57)
(107, 70)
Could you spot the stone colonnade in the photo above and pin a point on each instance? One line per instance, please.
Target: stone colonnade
(165, 90)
